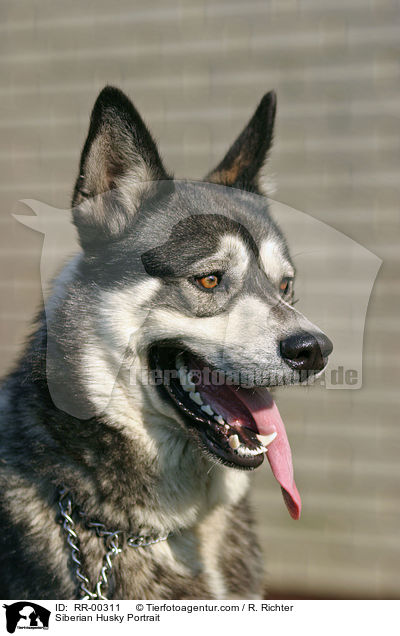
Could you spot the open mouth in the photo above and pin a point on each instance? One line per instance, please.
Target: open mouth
(240, 426)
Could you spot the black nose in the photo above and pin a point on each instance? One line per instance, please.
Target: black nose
(306, 351)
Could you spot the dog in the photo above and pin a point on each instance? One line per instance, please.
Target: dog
(141, 404)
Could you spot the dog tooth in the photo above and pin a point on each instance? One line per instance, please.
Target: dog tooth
(250, 452)
(207, 409)
(220, 420)
(234, 441)
(196, 397)
(179, 363)
(185, 382)
(189, 387)
(266, 439)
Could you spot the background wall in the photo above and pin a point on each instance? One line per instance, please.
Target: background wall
(196, 70)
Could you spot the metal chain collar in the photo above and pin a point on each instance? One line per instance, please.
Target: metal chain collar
(114, 543)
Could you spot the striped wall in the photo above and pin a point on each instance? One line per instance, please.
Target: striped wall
(196, 70)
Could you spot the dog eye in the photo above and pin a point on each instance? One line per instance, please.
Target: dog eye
(285, 286)
(209, 281)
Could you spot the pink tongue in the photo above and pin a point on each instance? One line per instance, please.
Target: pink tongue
(268, 420)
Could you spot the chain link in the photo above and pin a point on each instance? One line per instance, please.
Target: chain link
(114, 542)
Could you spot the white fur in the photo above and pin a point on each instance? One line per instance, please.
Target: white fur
(213, 333)
(59, 285)
(233, 249)
(267, 184)
(276, 266)
(135, 183)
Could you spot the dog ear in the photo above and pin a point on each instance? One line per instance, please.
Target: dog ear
(241, 166)
(119, 168)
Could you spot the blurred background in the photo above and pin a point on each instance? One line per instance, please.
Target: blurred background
(196, 71)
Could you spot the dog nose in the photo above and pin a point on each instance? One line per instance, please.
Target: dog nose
(306, 351)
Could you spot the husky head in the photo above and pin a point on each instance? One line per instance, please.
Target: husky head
(189, 286)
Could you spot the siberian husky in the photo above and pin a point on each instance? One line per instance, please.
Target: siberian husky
(141, 404)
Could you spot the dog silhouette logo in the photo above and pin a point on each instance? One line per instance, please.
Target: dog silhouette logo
(26, 615)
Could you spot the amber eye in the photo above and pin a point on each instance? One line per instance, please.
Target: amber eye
(208, 282)
(284, 285)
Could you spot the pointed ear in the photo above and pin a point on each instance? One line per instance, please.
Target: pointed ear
(241, 166)
(119, 169)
